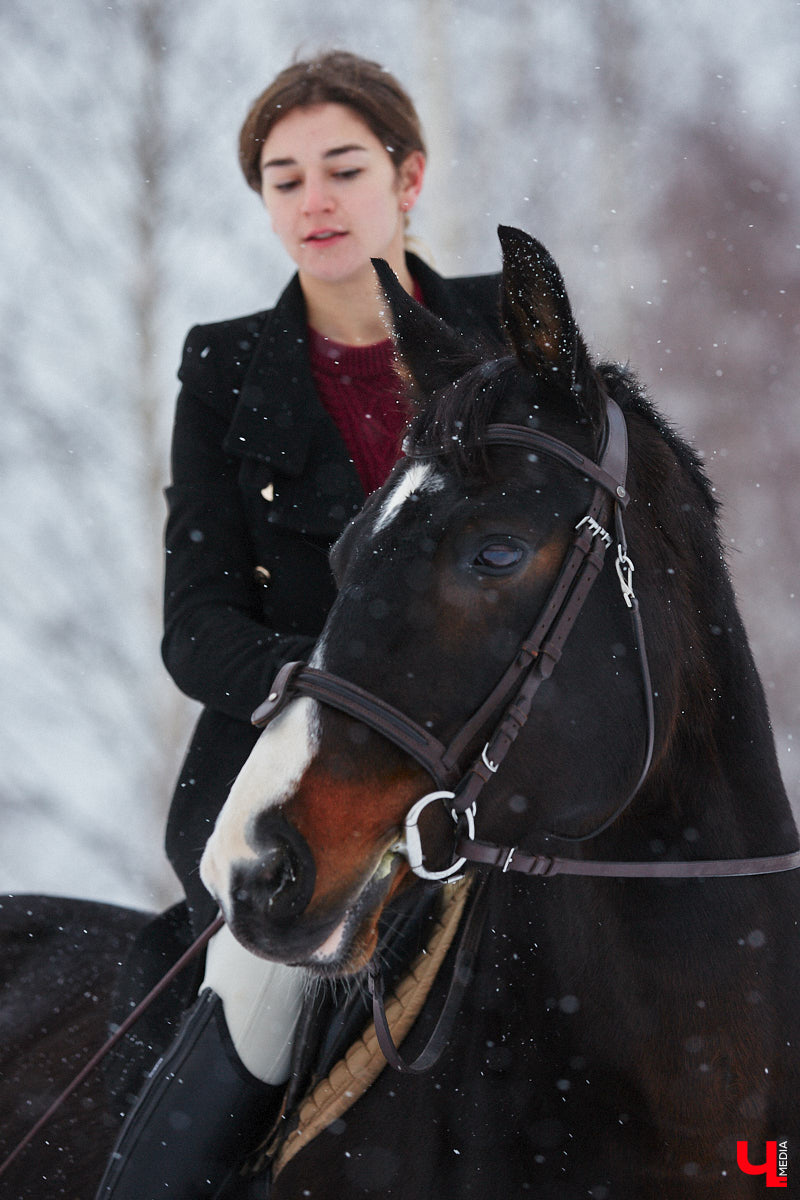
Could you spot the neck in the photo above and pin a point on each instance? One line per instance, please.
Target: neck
(733, 798)
(352, 311)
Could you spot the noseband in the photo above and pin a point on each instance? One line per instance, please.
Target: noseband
(513, 695)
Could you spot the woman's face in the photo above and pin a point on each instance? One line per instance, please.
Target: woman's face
(333, 194)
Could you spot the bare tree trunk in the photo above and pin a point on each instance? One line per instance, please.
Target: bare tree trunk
(154, 22)
(617, 156)
(441, 117)
(150, 152)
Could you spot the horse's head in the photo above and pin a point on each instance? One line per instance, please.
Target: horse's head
(441, 578)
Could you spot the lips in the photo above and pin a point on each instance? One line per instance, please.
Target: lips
(325, 949)
(322, 236)
(351, 943)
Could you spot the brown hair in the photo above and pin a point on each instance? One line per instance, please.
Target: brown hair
(335, 77)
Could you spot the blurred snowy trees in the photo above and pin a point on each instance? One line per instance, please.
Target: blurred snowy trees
(652, 147)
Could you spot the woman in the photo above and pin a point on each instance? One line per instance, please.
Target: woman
(286, 420)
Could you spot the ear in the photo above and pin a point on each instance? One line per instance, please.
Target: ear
(432, 353)
(539, 321)
(410, 176)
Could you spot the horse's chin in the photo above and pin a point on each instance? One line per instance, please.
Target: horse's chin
(353, 942)
(349, 944)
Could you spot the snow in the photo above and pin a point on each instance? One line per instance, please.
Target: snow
(620, 135)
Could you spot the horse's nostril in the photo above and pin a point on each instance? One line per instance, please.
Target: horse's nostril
(266, 878)
(277, 871)
(278, 884)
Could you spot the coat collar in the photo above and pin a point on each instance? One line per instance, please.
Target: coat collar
(283, 434)
(440, 296)
(278, 408)
(279, 413)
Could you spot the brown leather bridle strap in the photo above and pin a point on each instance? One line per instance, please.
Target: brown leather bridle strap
(538, 652)
(538, 655)
(581, 567)
(460, 980)
(509, 858)
(607, 476)
(545, 640)
(297, 679)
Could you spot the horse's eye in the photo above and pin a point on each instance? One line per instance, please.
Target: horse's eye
(498, 557)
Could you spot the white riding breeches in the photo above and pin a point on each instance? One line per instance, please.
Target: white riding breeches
(261, 1001)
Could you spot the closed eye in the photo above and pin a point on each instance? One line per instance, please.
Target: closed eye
(344, 175)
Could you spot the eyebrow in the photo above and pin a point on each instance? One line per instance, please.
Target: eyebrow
(333, 153)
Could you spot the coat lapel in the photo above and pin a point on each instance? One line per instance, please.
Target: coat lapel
(293, 453)
(462, 303)
(278, 407)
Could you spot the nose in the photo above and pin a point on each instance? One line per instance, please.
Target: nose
(316, 196)
(277, 885)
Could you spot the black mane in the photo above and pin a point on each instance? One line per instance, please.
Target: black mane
(623, 385)
(454, 418)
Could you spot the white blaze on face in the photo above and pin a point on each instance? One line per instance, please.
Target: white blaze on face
(271, 774)
(420, 477)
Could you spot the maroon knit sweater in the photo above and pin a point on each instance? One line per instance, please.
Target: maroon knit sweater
(359, 388)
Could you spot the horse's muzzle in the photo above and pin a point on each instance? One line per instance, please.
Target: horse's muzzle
(276, 885)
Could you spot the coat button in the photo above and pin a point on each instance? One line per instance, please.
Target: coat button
(268, 492)
(262, 575)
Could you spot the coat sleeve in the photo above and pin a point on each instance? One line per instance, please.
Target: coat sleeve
(215, 645)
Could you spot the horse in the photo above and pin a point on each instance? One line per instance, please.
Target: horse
(586, 745)
(619, 1024)
(60, 962)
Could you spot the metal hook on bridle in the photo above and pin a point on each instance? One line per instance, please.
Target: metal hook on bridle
(625, 569)
(623, 563)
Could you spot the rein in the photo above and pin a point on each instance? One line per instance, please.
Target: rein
(115, 1037)
(459, 982)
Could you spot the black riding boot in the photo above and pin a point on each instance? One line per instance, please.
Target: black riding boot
(199, 1113)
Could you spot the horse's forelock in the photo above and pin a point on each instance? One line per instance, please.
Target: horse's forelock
(454, 419)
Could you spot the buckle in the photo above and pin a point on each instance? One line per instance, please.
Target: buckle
(595, 529)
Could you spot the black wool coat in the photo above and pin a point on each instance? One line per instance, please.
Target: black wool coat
(262, 485)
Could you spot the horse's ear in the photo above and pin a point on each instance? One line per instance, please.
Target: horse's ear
(432, 353)
(539, 321)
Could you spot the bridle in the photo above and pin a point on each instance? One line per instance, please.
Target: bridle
(513, 695)
(533, 662)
